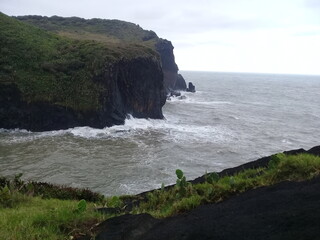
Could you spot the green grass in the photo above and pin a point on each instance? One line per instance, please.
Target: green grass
(49, 219)
(37, 218)
(58, 70)
(164, 203)
(94, 29)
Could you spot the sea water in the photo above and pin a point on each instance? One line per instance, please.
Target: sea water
(233, 118)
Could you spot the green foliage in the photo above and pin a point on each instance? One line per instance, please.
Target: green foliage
(49, 219)
(275, 160)
(95, 29)
(53, 69)
(212, 177)
(186, 204)
(182, 184)
(47, 190)
(82, 206)
(170, 201)
(40, 218)
(5, 197)
(10, 194)
(114, 202)
(179, 174)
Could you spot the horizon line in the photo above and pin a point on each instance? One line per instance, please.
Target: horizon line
(270, 73)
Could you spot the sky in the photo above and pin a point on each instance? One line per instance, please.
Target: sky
(262, 36)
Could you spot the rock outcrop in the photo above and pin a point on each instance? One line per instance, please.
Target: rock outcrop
(48, 82)
(110, 31)
(130, 87)
(191, 87)
(169, 67)
(180, 83)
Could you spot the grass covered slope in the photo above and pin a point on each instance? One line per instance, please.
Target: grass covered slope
(51, 218)
(50, 68)
(185, 196)
(110, 31)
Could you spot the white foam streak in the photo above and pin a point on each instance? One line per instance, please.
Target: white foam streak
(133, 127)
(190, 98)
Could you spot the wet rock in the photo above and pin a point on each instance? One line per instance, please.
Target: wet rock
(191, 88)
(180, 83)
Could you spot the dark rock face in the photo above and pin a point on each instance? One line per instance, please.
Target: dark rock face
(180, 83)
(191, 88)
(126, 227)
(130, 87)
(169, 67)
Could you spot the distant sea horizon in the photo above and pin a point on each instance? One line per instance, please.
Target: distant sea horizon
(264, 73)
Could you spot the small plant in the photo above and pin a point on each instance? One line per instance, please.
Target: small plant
(162, 187)
(275, 160)
(114, 202)
(182, 183)
(5, 197)
(212, 177)
(82, 206)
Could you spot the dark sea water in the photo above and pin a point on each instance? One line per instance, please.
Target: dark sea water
(231, 119)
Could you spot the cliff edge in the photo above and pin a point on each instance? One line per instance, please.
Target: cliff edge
(49, 81)
(112, 31)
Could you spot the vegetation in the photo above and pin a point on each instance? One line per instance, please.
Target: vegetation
(26, 215)
(46, 190)
(183, 197)
(36, 218)
(111, 31)
(62, 71)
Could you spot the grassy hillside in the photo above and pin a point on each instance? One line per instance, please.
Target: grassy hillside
(50, 68)
(102, 30)
(22, 215)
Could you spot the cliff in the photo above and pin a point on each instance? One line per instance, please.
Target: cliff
(111, 31)
(49, 81)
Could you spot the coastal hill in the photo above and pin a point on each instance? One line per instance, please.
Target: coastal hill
(80, 73)
(111, 32)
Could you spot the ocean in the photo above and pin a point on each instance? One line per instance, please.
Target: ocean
(233, 118)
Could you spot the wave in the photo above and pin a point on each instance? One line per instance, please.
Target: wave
(170, 129)
(189, 98)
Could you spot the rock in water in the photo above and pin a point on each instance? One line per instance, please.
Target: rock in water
(191, 88)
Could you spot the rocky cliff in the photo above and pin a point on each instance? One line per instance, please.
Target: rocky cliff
(110, 31)
(52, 82)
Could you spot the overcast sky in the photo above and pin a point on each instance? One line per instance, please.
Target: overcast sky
(268, 36)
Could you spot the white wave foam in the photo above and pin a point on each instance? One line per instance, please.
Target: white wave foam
(189, 99)
(170, 129)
